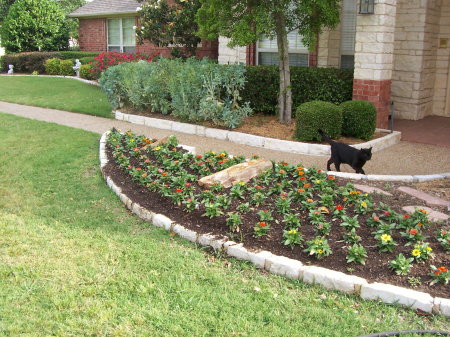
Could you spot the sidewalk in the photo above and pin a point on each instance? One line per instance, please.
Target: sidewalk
(405, 158)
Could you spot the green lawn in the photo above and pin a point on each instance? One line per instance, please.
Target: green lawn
(74, 262)
(56, 93)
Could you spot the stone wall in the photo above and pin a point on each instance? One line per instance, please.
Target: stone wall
(441, 98)
(416, 33)
(329, 54)
(229, 55)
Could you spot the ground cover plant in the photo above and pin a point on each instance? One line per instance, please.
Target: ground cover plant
(288, 210)
(74, 262)
(55, 93)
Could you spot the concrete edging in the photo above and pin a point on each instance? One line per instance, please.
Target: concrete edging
(284, 266)
(252, 140)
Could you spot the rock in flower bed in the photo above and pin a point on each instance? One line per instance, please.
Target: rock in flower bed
(289, 210)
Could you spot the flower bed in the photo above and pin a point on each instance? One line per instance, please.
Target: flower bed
(291, 211)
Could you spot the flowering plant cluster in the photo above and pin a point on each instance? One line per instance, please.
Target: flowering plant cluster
(108, 59)
(304, 209)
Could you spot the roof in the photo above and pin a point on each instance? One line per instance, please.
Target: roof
(106, 7)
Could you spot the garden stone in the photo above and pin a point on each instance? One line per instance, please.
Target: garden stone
(259, 258)
(393, 294)
(238, 251)
(162, 221)
(429, 199)
(371, 189)
(157, 143)
(185, 233)
(284, 266)
(237, 173)
(333, 280)
(441, 306)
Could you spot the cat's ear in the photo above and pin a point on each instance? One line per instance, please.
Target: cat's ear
(369, 150)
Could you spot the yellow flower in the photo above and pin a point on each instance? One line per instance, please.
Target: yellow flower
(318, 181)
(241, 183)
(429, 249)
(157, 148)
(320, 251)
(415, 252)
(386, 237)
(292, 231)
(364, 204)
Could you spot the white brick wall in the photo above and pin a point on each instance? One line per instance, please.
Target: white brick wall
(229, 55)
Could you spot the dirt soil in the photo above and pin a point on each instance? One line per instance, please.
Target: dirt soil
(376, 267)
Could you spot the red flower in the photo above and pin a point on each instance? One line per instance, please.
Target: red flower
(339, 207)
(437, 272)
(258, 187)
(413, 231)
(443, 269)
(262, 224)
(319, 171)
(331, 177)
(138, 169)
(376, 218)
(178, 190)
(307, 185)
(406, 216)
(300, 190)
(387, 213)
(199, 156)
(188, 185)
(302, 178)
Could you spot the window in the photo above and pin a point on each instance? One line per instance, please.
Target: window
(267, 51)
(121, 35)
(348, 33)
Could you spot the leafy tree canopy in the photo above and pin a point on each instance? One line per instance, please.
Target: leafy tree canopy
(33, 25)
(163, 23)
(245, 21)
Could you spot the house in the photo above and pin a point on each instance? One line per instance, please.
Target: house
(399, 49)
(108, 25)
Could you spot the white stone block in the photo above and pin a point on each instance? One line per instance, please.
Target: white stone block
(421, 178)
(285, 146)
(116, 189)
(319, 150)
(205, 239)
(259, 258)
(125, 117)
(217, 244)
(127, 201)
(185, 233)
(118, 115)
(200, 130)
(442, 306)
(136, 209)
(216, 133)
(405, 178)
(284, 266)
(238, 251)
(333, 280)
(184, 127)
(349, 175)
(135, 119)
(146, 215)
(158, 123)
(245, 139)
(392, 294)
(227, 244)
(162, 221)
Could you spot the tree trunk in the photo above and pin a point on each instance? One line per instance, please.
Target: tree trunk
(285, 95)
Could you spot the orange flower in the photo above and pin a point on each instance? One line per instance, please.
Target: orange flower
(420, 224)
(178, 190)
(309, 200)
(164, 174)
(282, 171)
(437, 272)
(307, 185)
(300, 168)
(262, 224)
(331, 177)
(423, 211)
(413, 231)
(300, 173)
(300, 190)
(443, 269)
(136, 149)
(144, 175)
(339, 207)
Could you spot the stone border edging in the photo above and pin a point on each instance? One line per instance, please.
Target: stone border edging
(280, 265)
(252, 140)
(380, 177)
(58, 76)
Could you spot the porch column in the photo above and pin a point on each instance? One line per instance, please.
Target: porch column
(374, 55)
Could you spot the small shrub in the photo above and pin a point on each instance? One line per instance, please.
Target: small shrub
(52, 66)
(87, 59)
(66, 68)
(315, 115)
(358, 119)
(28, 62)
(87, 73)
(73, 55)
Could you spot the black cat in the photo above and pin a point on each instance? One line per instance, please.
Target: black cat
(343, 153)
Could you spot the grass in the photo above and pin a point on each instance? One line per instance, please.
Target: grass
(74, 262)
(55, 93)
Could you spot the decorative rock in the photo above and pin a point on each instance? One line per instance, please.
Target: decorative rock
(157, 143)
(441, 306)
(429, 199)
(284, 266)
(393, 294)
(238, 251)
(371, 189)
(127, 201)
(216, 133)
(405, 178)
(234, 174)
(245, 139)
(432, 214)
(158, 123)
(259, 258)
(354, 176)
(146, 215)
(185, 233)
(135, 119)
(160, 220)
(421, 178)
(137, 209)
(184, 127)
(333, 280)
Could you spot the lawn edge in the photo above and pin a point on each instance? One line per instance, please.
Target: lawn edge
(280, 265)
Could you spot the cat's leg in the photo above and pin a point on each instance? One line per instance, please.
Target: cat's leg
(337, 163)
(329, 162)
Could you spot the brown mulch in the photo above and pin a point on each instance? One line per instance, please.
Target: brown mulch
(375, 270)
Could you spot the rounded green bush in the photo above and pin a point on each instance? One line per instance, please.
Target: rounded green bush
(52, 66)
(86, 72)
(87, 59)
(315, 115)
(359, 119)
(66, 68)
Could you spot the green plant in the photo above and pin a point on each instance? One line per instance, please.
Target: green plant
(87, 73)
(422, 252)
(292, 237)
(318, 247)
(414, 281)
(315, 115)
(401, 265)
(443, 236)
(412, 235)
(66, 68)
(212, 209)
(358, 119)
(35, 73)
(34, 25)
(261, 228)
(350, 223)
(386, 243)
(234, 221)
(356, 253)
(439, 274)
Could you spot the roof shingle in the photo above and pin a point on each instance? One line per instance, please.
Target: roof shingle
(106, 7)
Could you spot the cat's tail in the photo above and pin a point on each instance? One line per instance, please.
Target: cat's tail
(324, 136)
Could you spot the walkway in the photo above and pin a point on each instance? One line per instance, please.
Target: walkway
(403, 158)
(433, 130)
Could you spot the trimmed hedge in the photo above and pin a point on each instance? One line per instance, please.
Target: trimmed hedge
(315, 115)
(359, 119)
(52, 66)
(308, 84)
(35, 61)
